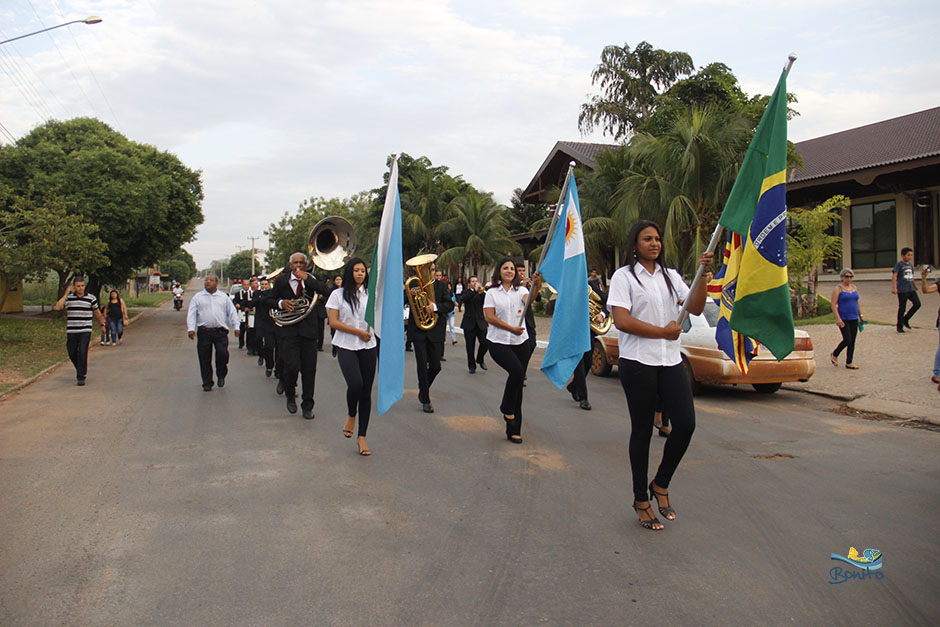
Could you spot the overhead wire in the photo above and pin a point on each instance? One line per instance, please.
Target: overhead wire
(16, 59)
(29, 93)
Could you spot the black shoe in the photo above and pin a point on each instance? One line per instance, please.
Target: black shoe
(79, 382)
(280, 387)
(900, 329)
(308, 414)
(473, 371)
(515, 439)
(907, 324)
(443, 359)
(333, 351)
(426, 408)
(267, 372)
(585, 404)
(482, 365)
(574, 393)
(407, 349)
(221, 382)
(260, 360)
(291, 405)
(207, 388)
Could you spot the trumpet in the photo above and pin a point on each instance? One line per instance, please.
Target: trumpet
(424, 282)
(330, 245)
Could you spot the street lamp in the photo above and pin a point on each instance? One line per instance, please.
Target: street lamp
(94, 19)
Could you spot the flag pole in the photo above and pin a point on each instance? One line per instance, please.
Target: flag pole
(551, 233)
(716, 236)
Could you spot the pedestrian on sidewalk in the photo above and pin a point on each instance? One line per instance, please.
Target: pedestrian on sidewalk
(928, 289)
(902, 284)
(211, 314)
(116, 313)
(848, 316)
(80, 309)
(355, 347)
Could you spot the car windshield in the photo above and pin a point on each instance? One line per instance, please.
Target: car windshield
(711, 313)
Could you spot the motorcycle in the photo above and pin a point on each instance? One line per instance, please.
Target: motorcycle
(178, 302)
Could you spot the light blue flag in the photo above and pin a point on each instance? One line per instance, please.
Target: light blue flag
(565, 268)
(387, 299)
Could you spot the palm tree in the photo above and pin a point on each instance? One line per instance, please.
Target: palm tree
(682, 178)
(480, 224)
(426, 205)
(630, 81)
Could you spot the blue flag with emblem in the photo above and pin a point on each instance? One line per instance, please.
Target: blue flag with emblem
(564, 266)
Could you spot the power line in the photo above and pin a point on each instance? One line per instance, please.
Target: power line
(7, 134)
(20, 59)
(29, 93)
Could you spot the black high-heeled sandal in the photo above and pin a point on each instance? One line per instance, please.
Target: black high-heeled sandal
(667, 512)
(648, 524)
(515, 439)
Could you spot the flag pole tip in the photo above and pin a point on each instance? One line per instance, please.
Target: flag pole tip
(572, 163)
(792, 56)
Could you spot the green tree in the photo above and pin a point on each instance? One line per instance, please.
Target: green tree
(630, 81)
(36, 240)
(239, 265)
(145, 202)
(810, 242)
(479, 224)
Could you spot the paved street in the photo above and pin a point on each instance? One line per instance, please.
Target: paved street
(142, 500)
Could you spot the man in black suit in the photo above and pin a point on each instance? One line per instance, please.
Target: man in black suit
(429, 345)
(473, 323)
(264, 328)
(245, 300)
(297, 342)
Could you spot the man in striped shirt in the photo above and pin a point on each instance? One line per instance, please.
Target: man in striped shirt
(81, 309)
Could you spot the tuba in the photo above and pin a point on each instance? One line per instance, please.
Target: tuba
(594, 308)
(425, 296)
(330, 245)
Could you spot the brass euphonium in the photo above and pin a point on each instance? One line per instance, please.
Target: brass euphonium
(595, 307)
(330, 245)
(424, 281)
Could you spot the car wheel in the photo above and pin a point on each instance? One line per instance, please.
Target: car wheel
(766, 388)
(695, 385)
(599, 365)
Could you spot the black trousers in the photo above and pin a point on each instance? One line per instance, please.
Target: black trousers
(266, 346)
(849, 332)
(251, 339)
(299, 357)
(322, 325)
(903, 297)
(428, 359)
(579, 376)
(512, 358)
(77, 346)
(471, 338)
(358, 368)
(644, 386)
(206, 340)
(242, 336)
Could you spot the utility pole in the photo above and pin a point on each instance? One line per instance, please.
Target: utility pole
(252, 254)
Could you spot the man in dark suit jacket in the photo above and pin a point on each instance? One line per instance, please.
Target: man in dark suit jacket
(429, 345)
(265, 341)
(473, 323)
(297, 343)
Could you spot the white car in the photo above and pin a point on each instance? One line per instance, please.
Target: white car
(706, 363)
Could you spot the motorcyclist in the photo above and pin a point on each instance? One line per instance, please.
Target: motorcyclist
(177, 296)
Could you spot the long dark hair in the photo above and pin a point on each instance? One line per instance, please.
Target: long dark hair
(631, 251)
(349, 287)
(114, 292)
(498, 280)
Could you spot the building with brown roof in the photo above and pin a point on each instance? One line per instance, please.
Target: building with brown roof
(891, 172)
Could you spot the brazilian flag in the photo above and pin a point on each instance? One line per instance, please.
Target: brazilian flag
(757, 211)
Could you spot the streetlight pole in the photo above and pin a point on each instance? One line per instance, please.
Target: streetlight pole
(252, 254)
(94, 19)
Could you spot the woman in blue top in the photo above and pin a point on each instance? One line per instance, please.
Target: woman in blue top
(848, 314)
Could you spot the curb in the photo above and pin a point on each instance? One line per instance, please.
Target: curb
(22, 384)
(895, 409)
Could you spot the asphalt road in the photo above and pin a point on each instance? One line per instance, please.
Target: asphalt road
(142, 500)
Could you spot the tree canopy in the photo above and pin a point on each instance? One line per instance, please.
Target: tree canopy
(145, 202)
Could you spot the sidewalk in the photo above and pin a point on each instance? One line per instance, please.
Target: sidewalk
(894, 369)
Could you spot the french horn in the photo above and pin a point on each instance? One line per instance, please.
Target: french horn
(331, 244)
(424, 281)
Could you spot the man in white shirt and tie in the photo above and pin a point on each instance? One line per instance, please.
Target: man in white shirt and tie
(211, 314)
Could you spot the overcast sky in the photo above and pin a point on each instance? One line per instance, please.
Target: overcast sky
(277, 100)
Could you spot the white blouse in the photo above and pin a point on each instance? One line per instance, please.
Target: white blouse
(648, 300)
(353, 317)
(509, 305)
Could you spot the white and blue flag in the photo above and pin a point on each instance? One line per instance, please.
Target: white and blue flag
(564, 266)
(387, 300)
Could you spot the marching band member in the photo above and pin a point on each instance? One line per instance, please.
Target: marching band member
(474, 323)
(264, 328)
(355, 347)
(297, 342)
(508, 340)
(429, 345)
(644, 299)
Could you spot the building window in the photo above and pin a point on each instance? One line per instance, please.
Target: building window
(874, 235)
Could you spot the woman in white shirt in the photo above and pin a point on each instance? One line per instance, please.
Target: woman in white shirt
(503, 308)
(355, 346)
(644, 299)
